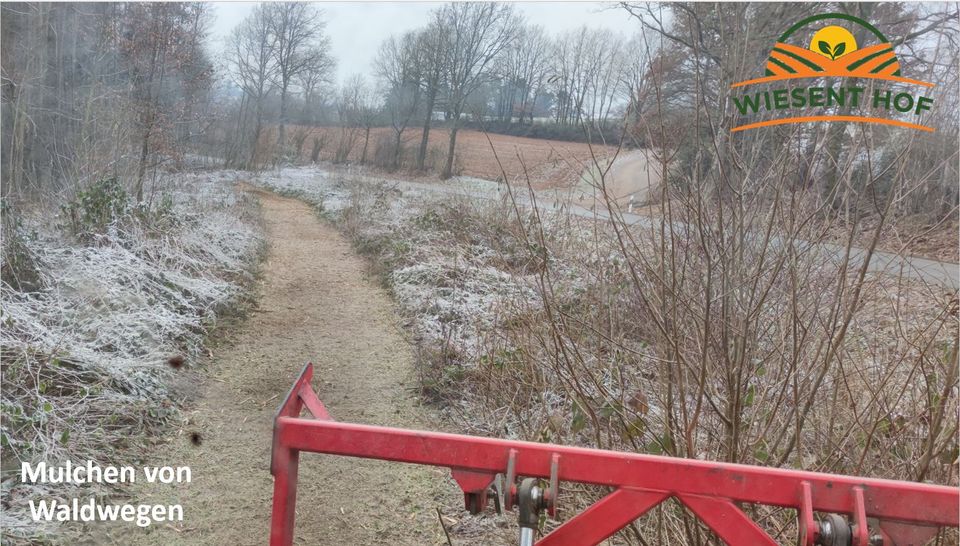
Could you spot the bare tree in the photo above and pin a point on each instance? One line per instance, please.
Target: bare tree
(604, 77)
(251, 59)
(587, 75)
(477, 34)
(364, 109)
(105, 90)
(566, 74)
(347, 108)
(432, 42)
(315, 74)
(522, 70)
(63, 108)
(400, 65)
(300, 46)
(159, 42)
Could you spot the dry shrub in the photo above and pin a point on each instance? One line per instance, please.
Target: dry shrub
(713, 331)
(318, 143)
(347, 140)
(18, 263)
(86, 369)
(297, 142)
(722, 330)
(387, 154)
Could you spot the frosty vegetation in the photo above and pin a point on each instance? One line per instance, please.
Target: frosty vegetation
(450, 283)
(724, 339)
(530, 325)
(90, 342)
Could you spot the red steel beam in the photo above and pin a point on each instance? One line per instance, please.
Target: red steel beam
(709, 489)
(727, 520)
(885, 499)
(604, 518)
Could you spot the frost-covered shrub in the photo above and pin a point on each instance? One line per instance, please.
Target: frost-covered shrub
(106, 202)
(85, 357)
(18, 266)
(96, 207)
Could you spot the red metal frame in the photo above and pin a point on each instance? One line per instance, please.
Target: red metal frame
(908, 513)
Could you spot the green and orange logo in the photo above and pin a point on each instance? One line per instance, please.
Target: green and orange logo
(867, 85)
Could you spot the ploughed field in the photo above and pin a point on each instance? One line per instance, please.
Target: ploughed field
(548, 163)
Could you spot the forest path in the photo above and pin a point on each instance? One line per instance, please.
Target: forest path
(318, 303)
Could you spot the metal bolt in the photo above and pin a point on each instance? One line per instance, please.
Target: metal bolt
(835, 531)
(530, 502)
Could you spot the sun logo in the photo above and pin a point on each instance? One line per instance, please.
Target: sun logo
(833, 51)
(832, 77)
(833, 42)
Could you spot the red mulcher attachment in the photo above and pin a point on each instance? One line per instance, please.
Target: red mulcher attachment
(855, 511)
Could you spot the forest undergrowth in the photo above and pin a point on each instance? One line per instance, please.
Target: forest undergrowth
(103, 302)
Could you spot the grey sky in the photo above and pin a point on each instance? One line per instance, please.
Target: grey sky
(357, 28)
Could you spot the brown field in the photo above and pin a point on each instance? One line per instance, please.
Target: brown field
(549, 163)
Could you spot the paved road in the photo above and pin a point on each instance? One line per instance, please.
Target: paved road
(628, 181)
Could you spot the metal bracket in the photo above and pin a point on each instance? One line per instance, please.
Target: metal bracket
(809, 529)
(551, 496)
(510, 482)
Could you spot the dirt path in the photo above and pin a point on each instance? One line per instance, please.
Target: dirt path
(316, 303)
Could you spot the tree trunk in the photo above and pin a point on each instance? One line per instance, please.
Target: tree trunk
(256, 135)
(422, 153)
(282, 137)
(396, 150)
(366, 141)
(448, 168)
(142, 167)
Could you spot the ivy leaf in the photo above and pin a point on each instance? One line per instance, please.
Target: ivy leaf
(609, 409)
(636, 428)
(760, 453)
(579, 419)
(825, 48)
(661, 445)
(839, 49)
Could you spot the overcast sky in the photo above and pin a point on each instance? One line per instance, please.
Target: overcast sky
(357, 28)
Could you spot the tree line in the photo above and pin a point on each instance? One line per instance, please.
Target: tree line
(119, 90)
(100, 90)
(471, 63)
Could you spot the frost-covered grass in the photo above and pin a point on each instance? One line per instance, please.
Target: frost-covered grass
(448, 274)
(87, 357)
(546, 328)
(534, 326)
(459, 269)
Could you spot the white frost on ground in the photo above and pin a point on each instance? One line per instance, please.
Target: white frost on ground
(455, 303)
(451, 291)
(85, 356)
